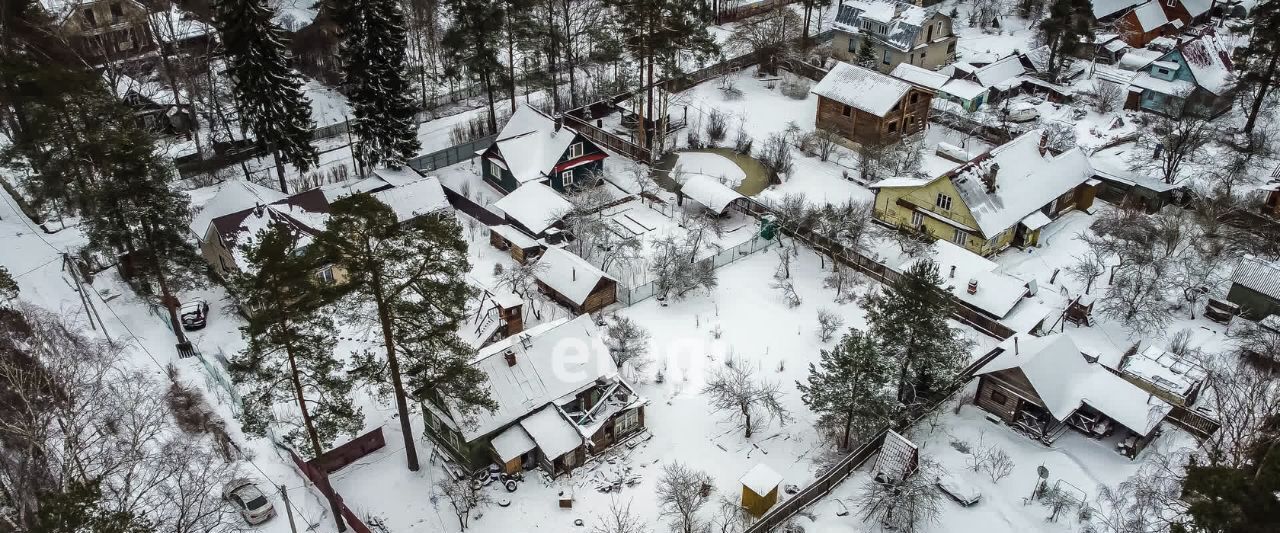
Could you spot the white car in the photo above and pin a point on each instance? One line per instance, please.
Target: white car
(1022, 112)
(251, 502)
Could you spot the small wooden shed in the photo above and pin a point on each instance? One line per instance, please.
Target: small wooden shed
(760, 489)
(521, 246)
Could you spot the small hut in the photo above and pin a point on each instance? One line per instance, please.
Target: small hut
(760, 489)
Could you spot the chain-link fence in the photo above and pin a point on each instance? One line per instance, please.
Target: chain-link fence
(633, 295)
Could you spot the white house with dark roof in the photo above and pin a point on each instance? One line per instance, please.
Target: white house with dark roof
(897, 32)
(534, 147)
(559, 397)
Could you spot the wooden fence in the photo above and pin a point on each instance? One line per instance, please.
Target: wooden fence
(1194, 422)
(350, 452)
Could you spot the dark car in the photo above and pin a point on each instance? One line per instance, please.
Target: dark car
(194, 314)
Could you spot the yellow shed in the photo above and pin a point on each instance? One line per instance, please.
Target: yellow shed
(760, 489)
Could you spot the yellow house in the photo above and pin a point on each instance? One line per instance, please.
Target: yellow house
(760, 489)
(1000, 198)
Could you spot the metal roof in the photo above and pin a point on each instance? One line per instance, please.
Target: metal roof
(1258, 275)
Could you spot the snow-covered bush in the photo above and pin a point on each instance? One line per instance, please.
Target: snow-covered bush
(795, 86)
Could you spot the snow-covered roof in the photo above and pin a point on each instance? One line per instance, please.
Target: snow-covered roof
(228, 197)
(1065, 380)
(414, 199)
(514, 236)
(920, 76)
(1209, 59)
(1260, 276)
(1197, 7)
(901, 20)
(569, 275)
(1176, 87)
(862, 88)
(997, 293)
(1026, 179)
(512, 442)
(761, 479)
(1102, 8)
(177, 26)
(535, 206)
(337, 191)
(551, 360)
(709, 192)
(1150, 16)
(1165, 370)
(1138, 58)
(1000, 71)
(965, 89)
(530, 144)
(554, 434)
(889, 183)
(153, 91)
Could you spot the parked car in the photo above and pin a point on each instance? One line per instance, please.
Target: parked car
(194, 314)
(253, 505)
(1022, 112)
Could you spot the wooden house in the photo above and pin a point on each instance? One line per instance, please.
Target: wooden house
(1255, 287)
(1044, 385)
(564, 409)
(867, 107)
(1195, 78)
(760, 489)
(1176, 379)
(536, 148)
(520, 245)
(155, 106)
(1270, 204)
(574, 282)
(899, 33)
(103, 30)
(998, 199)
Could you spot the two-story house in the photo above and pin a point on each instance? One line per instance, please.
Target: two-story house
(1194, 78)
(867, 107)
(103, 30)
(898, 32)
(998, 199)
(534, 147)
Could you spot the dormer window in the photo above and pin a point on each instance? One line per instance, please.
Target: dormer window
(1163, 71)
(575, 150)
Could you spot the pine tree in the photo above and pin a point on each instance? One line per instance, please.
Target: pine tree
(409, 280)
(290, 344)
(376, 79)
(268, 92)
(850, 386)
(8, 286)
(866, 53)
(471, 48)
(1259, 61)
(1067, 23)
(909, 323)
(137, 211)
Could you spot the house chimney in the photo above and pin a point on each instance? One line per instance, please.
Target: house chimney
(574, 274)
(511, 358)
(559, 121)
(1015, 345)
(953, 272)
(990, 177)
(973, 285)
(1044, 143)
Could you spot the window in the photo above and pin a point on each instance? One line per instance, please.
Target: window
(886, 57)
(853, 46)
(626, 422)
(951, 48)
(917, 219)
(1163, 71)
(943, 201)
(575, 150)
(959, 236)
(566, 178)
(893, 127)
(999, 397)
(90, 18)
(915, 97)
(1171, 3)
(923, 53)
(117, 12)
(847, 111)
(928, 36)
(326, 274)
(495, 169)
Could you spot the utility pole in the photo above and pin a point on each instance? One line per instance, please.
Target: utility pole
(288, 509)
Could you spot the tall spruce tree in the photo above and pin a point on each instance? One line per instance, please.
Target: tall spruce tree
(290, 356)
(268, 92)
(866, 54)
(851, 387)
(1259, 61)
(408, 280)
(376, 79)
(1068, 22)
(138, 212)
(471, 47)
(909, 323)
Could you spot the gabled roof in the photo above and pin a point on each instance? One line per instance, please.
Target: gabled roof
(1000, 72)
(231, 196)
(414, 199)
(1150, 16)
(535, 206)
(553, 433)
(1260, 276)
(862, 88)
(709, 192)
(902, 20)
(1103, 8)
(552, 360)
(1196, 7)
(569, 275)
(1065, 380)
(530, 145)
(920, 76)
(1209, 59)
(1026, 179)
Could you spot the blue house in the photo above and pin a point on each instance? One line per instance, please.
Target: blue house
(534, 147)
(1194, 78)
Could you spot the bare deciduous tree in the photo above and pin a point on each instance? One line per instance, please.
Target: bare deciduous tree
(828, 323)
(746, 399)
(619, 519)
(909, 504)
(628, 342)
(1106, 96)
(682, 491)
(1087, 268)
(463, 496)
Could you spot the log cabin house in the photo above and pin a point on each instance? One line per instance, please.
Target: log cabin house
(867, 107)
(574, 282)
